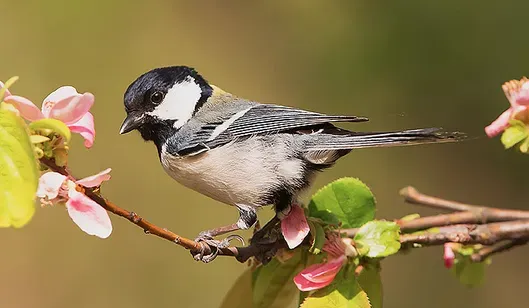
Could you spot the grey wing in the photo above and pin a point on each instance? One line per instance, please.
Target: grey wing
(270, 119)
(261, 119)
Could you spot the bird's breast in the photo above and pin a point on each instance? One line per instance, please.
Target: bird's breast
(242, 173)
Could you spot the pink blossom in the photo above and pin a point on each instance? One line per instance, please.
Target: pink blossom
(320, 275)
(517, 92)
(449, 255)
(295, 227)
(64, 104)
(87, 214)
(49, 185)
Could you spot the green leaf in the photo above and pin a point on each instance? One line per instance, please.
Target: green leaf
(54, 125)
(469, 273)
(348, 199)
(377, 239)
(325, 217)
(18, 172)
(273, 285)
(410, 217)
(318, 237)
(6, 86)
(514, 134)
(240, 294)
(16, 127)
(370, 281)
(343, 292)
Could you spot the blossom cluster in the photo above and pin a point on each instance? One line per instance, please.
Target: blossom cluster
(73, 109)
(513, 122)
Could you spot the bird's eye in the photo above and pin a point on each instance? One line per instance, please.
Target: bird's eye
(157, 97)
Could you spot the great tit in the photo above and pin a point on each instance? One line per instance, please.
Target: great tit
(241, 152)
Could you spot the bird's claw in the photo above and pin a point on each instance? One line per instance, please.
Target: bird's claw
(206, 243)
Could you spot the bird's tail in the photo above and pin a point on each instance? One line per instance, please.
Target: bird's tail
(386, 139)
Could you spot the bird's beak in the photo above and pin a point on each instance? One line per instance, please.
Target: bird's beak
(132, 122)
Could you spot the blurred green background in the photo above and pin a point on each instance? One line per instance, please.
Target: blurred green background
(406, 64)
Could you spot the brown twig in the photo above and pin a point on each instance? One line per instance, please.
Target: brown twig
(486, 252)
(413, 196)
(487, 234)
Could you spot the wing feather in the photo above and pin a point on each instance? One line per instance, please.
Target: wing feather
(267, 119)
(260, 119)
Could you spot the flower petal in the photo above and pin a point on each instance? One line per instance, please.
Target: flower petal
(522, 97)
(306, 285)
(295, 227)
(521, 113)
(500, 124)
(449, 255)
(86, 128)
(88, 215)
(95, 180)
(6, 93)
(71, 109)
(49, 185)
(60, 94)
(323, 272)
(27, 109)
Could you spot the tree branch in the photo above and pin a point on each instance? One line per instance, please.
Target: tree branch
(486, 252)
(413, 196)
(487, 234)
(482, 216)
(470, 224)
(148, 227)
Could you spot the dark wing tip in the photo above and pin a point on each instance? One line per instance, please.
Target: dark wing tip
(439, 133)
(353, 118)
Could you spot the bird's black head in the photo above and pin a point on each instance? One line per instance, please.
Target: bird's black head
(162, 100)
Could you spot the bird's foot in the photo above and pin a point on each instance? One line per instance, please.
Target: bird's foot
(209, 244)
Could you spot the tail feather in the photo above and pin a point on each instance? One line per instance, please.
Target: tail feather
(385, 139)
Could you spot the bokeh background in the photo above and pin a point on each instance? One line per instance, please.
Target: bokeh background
(404, 64)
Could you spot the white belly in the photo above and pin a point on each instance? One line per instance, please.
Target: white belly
(241, 174)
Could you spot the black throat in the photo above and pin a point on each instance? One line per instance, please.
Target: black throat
(158, 132)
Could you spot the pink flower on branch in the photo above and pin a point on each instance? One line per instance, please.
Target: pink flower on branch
(87, 214)
(64, 104)
(449, 255)
(517, 92)
(295, 227)
(320, 275)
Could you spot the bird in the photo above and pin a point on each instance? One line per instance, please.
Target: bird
(241, 152)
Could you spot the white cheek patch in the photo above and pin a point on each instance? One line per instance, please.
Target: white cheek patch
(179, 102)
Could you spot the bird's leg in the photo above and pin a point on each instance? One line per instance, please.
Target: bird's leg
(208, 234)
(247, 218)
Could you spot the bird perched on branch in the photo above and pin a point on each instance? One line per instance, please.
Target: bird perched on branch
(241, 152)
